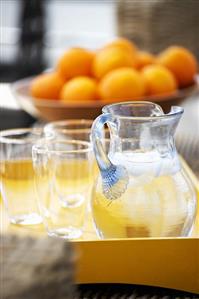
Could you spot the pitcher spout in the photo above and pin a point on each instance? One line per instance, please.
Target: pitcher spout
(177, 113)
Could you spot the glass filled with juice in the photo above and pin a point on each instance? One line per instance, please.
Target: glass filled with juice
(78, 129)
(63, 176)
(17, 175)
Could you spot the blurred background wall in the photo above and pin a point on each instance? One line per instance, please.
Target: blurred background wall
(35, 32)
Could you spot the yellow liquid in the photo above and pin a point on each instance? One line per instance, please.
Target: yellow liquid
(64, 189)
(17, 179)
(61, 190)
(150, 207)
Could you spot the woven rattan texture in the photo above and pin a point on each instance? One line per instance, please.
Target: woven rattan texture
(117, 291)
(156, 24)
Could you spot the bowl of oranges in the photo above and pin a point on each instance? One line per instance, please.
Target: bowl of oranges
(83, 81)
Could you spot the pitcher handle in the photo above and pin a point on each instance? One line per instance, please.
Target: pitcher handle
(114, 177)
(96, 135)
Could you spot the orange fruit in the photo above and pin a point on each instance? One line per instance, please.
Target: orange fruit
(109, 59)
(145, 58)
(79, 89)
(75, 62)
(181, 62)
(47, 86)
(123, 44)
(159, 80)
(122, 84)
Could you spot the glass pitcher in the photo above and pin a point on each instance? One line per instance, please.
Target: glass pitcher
(141, 190)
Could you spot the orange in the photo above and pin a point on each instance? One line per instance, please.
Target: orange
(144, 59)
(75, 62)
(47, 86)
(79, 89)
(159, 80)
(122, 84)
(109, 59)
(181, 62)
(123, 44)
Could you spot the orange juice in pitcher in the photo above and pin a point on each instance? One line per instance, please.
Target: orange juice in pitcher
(142, 190)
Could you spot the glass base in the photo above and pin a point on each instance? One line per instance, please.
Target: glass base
(68, 233)
(26, 219)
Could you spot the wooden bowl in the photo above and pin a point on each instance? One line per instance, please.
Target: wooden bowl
(51, 110)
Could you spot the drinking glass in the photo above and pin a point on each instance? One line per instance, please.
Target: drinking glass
(63, 175)
(17, 175)
(78, 129)
(72, 129)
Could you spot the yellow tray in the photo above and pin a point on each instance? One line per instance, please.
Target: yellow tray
(164, 262)
(168, 262)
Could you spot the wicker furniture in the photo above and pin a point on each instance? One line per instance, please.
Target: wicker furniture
(156, 24)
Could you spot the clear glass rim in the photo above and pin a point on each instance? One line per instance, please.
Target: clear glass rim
(41, 146)
(7, 136)
(175, 111)
(62, 125)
